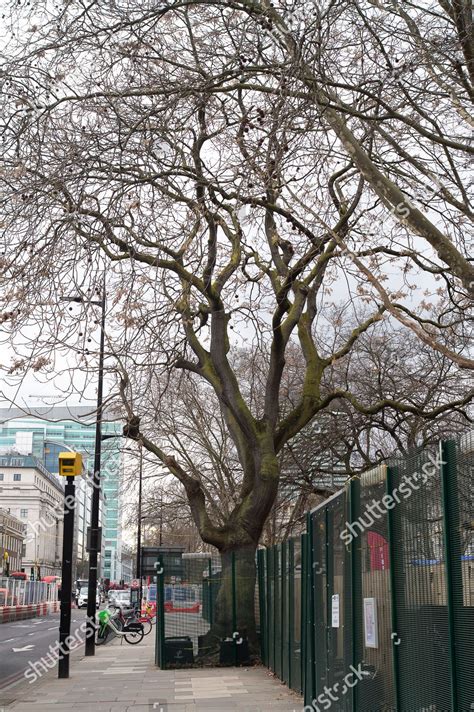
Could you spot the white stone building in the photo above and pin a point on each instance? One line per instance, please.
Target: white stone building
(12, 536)
(36, 497)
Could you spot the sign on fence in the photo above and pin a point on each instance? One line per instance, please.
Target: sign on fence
(335, 610)
(370, 623)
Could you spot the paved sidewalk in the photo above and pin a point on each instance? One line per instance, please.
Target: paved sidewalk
(124, 677)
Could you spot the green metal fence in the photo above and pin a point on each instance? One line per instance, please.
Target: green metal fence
(281, 581)
(204, 611)
(372, 610)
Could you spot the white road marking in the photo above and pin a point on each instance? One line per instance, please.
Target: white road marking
(25, 647)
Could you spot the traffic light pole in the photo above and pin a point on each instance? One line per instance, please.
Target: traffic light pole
(66, 577)
(94, 527)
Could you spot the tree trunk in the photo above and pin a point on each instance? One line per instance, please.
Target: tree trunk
(234, 603)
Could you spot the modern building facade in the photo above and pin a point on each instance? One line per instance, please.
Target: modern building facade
(44, 432)
(35, 497)
(12, 536)
(128, 564)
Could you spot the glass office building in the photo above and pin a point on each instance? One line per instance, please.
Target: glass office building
(44, 432)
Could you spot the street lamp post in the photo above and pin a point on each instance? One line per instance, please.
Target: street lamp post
(94, 543)
(139, 529)
(138, 565)
(161, 517)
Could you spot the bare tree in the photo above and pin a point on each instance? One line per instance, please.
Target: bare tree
(232, 175)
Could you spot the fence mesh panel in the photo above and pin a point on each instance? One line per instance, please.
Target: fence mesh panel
(209, 605)
(420, 587)
(319, 609)
(285, 613)
(337, 580)
(375, 691)
(278, 627)
(462, 509)
(295, 587)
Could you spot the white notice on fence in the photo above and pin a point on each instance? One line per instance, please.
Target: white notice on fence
(335, 611)
(370, 623)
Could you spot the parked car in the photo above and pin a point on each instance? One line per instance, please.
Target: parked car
(83, 597)
(119, 599)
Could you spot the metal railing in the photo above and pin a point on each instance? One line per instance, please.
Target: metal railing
(16, 592)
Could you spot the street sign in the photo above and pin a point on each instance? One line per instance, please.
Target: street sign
(94, 539)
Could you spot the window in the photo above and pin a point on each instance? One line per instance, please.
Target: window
(16, 477)
(23, 513)
(2, 476)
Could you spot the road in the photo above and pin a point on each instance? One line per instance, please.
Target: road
(27, 641)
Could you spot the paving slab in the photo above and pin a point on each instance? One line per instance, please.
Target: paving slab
(120, 679)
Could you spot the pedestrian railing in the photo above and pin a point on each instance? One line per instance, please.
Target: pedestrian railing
(17, 592)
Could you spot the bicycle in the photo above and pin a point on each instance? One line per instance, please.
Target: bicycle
(108, 623)
(133, 617)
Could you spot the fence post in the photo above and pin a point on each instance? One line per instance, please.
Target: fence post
(283, 596)
(211, 592)
(269, 626)
(160, 617)
(291, 609)
(356, 582)
(275, 600)
(452, 554)
(304, 608)
(234, 608)
(262, 606)
(310, 690)
(392, 548)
